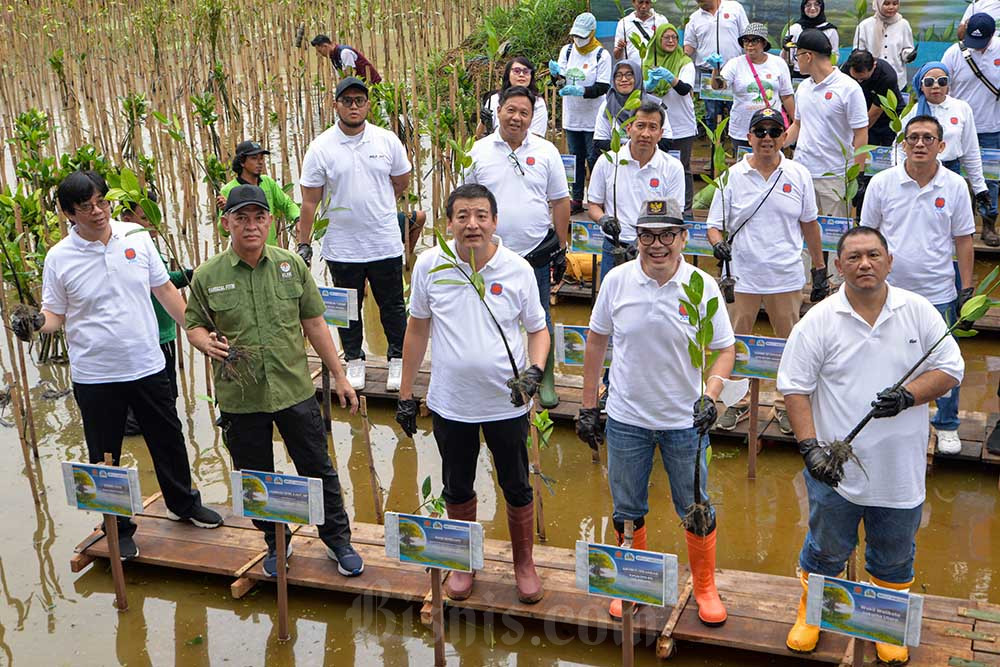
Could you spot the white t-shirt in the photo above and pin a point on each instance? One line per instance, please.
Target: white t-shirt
(602, 129)
(629, 24)
(680, 108)
(960, 140)
(103, 292)
(795, 30)
(840, 362)
(700, 31)
(358, 199)
(774, 77)
(965, 85)
(653, 383)
(348, 58)
(920, 225)
(522, 199)
(580, 113)
(991, 7)
(539, 116)
(469, 364)
(767, 251)
(896, 41)
(661, 178)
(828, 111)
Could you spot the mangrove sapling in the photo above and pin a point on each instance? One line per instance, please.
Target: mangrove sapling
(718, 184)
(620, 252)
(852, 170)
(435, 504)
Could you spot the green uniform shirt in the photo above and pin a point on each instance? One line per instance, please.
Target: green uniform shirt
(259, 309)
(277, 200)
(166, 324)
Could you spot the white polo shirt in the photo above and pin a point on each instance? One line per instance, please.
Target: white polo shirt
(680, 108)
(602, 128)
(580, 113)
(960, 140)
(965, 85)
(522, 199)
(828, 111)
(654, 384)
(469, 365)
(747, 98)
(920, 225)
(358, 199)
(103, 292)
(539, 115)
(700, 31)
(629, 24)
(840, 362)
(991, 7)
(767, 251)
(660, 178)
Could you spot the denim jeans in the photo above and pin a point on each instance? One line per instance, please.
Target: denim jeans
(581, 144)
(607, 260)
(714, 109)
(946, 418)
(543, 276)
(630, 461)
(833, 534)
(990, 140)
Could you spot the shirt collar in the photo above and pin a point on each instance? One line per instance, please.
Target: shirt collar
(893, 301)
(343, 138)
(235, 259)
(497, 139)
(83, 244)
(935, 182)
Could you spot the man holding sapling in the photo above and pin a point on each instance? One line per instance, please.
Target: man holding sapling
(834, 370)
(525, 173)
(924, 211)
(249, 165)
(473, 294)
(249, 308)
(642, 22)
(655, 387)
(768, 207)
(97, 282)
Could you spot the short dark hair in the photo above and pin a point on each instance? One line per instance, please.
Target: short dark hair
(925, 119)
(516, 91)
(470, 191)
(860, 60)
(859, 231)
(649, 106)
(320, 39)
(79, 187)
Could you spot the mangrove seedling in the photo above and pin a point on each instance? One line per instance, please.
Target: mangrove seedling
(852, 170)
(889, 103)
(718, 184)
(434, 504)
(620, 252)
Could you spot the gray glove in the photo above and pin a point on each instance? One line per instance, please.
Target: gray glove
(722, 251)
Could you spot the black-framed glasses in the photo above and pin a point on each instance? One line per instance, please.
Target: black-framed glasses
(625, 75)
(358, 101)
(773, 132)
(666, 238)
(931, 81)
(92, 207)
(926, 139)
(515, 162)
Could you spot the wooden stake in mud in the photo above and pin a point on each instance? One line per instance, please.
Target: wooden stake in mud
(536, 475)
(15, 400)
(752, 436)
(279, 534)
(376, 486)
(114, 552)
(437, 617)
(628, 648)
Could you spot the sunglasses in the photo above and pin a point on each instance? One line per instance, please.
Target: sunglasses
(930, 81)
(773, 132)
(665, 238)
(520, 70)
(512, 158)
(926, 139)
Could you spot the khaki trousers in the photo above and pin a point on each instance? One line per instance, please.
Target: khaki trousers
(783, 310)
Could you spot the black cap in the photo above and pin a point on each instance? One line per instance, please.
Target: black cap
(245, 195)
(762, 115)
(812, 40)
(350, 82)
(248, 148)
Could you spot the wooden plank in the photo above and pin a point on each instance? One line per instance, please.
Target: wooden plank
(987, 639)
(985, 659)
(665, 646)
(989, 615)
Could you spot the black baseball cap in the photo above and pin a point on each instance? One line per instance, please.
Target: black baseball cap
(812, 40)
(762, 115)
(245, 195)
(350, 82)
(248, 148)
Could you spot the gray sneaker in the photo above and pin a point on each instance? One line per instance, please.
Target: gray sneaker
(733, 416)
(784, 425)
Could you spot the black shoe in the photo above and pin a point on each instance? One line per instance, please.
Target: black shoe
(127, 548)
(201, 516)
(270, 564)
(349, 563)
(993, 440)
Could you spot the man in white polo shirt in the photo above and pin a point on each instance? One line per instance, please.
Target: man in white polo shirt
(711, 39)
(924, 211)
(840, 361)
(526, 175)
(769, 208)
(357, 171)
(477, 341)
(831, 117)
(643, 21)
(648, 174)
(655, 386)
(97, 282)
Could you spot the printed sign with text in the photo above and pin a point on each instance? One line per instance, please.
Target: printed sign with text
(880, 159)
(270, 496)
(341, 305)
(444, 544)
(697, 243)
(864, 611)
(706, 92)
(104, 489)
(645, 577)
(831, 230)
(586, 236)
(569, 164)
(571, 342)
(758, 357)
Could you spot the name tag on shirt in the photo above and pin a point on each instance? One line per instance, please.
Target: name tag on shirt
(221, 288)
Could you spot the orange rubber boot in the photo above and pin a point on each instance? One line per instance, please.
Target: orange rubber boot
(802, 638)
(521, 522)
(887, 653)
(458, 585)
(701, 554)
(638, 542)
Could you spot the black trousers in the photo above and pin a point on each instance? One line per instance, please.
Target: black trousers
(458, 443)
(386, 279)
(169, 350)
(249, 438)
(103, 408)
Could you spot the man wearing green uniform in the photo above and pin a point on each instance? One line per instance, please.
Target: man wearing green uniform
(260, 299)
(248, 165)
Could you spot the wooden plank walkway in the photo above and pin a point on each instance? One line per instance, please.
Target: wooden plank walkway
(761, 606)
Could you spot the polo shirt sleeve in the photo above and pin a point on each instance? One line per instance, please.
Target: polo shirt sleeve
(602, 126)
(620, 31)
(784, 79)
(597, 191)
(557, 186)
(798, 103)
(857, 109)
(728, 71)
(600, 317)
(871, 215)
(810, 210)
(604, 69)
(400, 163)
(947, 357)
(741, 17)
(311, 302)
(420, 306)
(962, 222)
(53, 291)
(719, 209)
(157, 271)
(564, 57)
(801, 361)
(194, 315)
(313, 174)
(532, 313)
(691, 36)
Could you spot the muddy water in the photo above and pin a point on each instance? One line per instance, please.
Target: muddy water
(49, 616)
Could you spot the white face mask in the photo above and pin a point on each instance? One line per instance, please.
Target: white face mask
(581, 41)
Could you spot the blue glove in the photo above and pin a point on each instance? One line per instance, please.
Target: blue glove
(571, 91)
(715, 60)
(658, 80)
(554, 68)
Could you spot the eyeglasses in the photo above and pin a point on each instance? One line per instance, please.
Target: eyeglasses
(669, 37)
(624, 76)
(666, 238)
(353, 101)
(92, 207)
(773, 132)
(522, 71)
(931, 81)
(915, 139)
(814, 5)
(752, 40)
(515, 162)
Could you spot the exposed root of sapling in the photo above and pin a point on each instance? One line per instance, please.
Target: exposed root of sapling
(698, 519)
(23, 313)
(841, 452)
(235, 367)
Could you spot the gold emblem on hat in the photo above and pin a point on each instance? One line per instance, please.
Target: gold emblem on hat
(655, 207)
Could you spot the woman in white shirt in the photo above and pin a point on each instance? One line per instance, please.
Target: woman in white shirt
(812, 14)
(887, 35)
(519, 72)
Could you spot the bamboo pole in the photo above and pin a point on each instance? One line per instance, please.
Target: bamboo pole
(372, 473)
(16, 402)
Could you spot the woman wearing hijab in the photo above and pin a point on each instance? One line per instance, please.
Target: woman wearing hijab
(612, 114)
(887, 35)
(519, 72)
(812, 14)
(675, 92)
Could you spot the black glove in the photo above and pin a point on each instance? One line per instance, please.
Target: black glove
(859, 196)
(406, 415)
(983, 199)
(588, 427)
(722, 252)
(486, 118)
(559, 266)
(705, 414)
(188, 276)
(305, 251)
(911, 56)
(610, 226)
(820, 286)
(25, 321)
(815, 458)
(527, 381)
(631, 252)
(890, 402)
(964, 296)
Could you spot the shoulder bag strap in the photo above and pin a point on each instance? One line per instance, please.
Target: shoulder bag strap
(967, 54)
(763, 93)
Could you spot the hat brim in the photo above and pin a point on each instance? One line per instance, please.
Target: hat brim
(244, 204)
(767, 42)
(576, 34)
(661, 222)
(976, 42)
(260, 151)
(359, 86)
(774, 119)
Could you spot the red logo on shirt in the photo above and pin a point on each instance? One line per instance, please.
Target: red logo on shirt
(496, 289)
(939, 202)
(996, 62)
(767, 76)
(654, 182)
(787, 187)
(530, 161)
(585, 65)
(725, 16)
(682, 311)
(829, 96)
(129, 253)
(954, 121)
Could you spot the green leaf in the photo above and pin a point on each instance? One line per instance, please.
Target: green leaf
(141, 230)
(697, 286)
(852, 171)
(152, 211)
(205, 397)
(449, 281)
(195, 641)
(443, 267)
(962, 333)
(607, 155)
(616, 142)
(445, 248)
(852, 189)
(986, 286)
(711, 308)
(479, 284)
(694, 352)
(974, 305)
(623, 162)
(708, 455)
(159, 117)
(867, 148)
(634, 100)
(425, 488)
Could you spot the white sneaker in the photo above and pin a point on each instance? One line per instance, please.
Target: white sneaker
(356, 373)
(395, 375)
(948, 442)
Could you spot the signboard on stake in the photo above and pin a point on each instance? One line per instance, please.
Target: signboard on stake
(571, 341)
(706, 92)
(697, 243)
(864, 611)
(831, 229)
(445, 544)
(569, 164)
(991, 164)
(882, 158)
(644, 577)
(758, 357)
(270, 496)
(586, 236)
(341, 305)
(102, 488)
